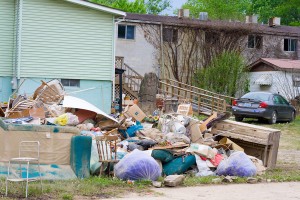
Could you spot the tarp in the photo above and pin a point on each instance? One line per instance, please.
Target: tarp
(74, 102)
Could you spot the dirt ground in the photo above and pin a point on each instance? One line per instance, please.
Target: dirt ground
(272, 191)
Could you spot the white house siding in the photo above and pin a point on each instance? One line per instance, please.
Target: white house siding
(7, 22)
(282, 83)
(64, 40)
(138, 53)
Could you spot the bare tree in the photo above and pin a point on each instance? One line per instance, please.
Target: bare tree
(186, 48)
(288, 84)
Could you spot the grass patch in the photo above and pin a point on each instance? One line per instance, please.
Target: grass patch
(93, 186)
(290, 134)
(282, 175)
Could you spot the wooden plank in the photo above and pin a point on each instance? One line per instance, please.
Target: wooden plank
(273, 150)
(248, 130)
(170, 147)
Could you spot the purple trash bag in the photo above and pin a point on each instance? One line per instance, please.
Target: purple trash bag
(137, 165)
(237, 164)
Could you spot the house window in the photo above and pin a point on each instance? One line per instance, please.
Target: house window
(126, 32)
(70, 82)
(254, 42)
(290, 44)
(170, 35)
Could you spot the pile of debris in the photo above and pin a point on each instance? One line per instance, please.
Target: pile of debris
(49, 105)
(147, 146)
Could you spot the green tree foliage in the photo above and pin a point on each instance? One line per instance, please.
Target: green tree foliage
(287, 10)
(217, 9)
(157, 6)
(137, 6)
(225, 75)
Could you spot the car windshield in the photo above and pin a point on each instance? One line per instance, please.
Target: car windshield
(256, 96)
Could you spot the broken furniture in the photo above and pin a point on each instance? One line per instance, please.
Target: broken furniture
(51, 92)
(29, 153)
(257, 141)
(107, 150)
(58, 160)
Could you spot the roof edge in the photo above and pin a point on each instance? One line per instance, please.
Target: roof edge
(278, 68)
(98, 7)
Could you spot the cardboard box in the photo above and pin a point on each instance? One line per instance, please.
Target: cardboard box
(227, 143)
(134, 112)
(128, 102)
(18, 114)
(185, 109)
(33, 112)
(196, 135)
(37, 113)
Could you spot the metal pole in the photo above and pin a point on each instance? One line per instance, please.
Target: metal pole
(120, 95)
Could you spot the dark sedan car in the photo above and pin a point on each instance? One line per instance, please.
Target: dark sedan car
(263, 105)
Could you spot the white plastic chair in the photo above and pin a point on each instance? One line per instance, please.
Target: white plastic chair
(29, 152)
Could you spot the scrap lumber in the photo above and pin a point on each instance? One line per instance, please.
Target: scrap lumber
(169, 147)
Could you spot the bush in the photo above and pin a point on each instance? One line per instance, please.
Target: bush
(225, 75)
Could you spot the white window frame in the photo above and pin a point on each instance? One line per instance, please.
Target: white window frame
(290, 44)
(69, 81)
(134, 31)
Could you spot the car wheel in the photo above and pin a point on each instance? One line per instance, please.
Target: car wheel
(238, 118)
(273, 118)
(293, 116)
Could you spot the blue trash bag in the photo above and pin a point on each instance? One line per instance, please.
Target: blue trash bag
(137, 165)
(237, 164)
(130, 132)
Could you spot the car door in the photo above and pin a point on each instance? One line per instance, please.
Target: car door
(278, 106)
(286, 108)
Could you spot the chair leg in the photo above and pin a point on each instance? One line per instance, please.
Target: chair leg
(27, 176)
(101, 169)
(40, 175)
(108, 165)
(6, 181)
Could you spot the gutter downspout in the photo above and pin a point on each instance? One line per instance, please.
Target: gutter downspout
(17, 68)
(162, 52)
(114, 54)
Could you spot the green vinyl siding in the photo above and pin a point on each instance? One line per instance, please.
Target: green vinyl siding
(7, 23)
(65, 40)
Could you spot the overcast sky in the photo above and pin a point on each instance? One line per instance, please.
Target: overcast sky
(175, 5)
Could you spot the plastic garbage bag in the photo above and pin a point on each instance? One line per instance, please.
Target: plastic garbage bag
(130, 132)
(146, 143)
(66, 119)
(137, 165)
(237, 164)
(203, 168)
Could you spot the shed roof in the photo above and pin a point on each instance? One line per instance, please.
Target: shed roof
(98, 7)
(279, 64)
(189, 22)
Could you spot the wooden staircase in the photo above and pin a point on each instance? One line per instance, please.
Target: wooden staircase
(203, 101)
(131, 79)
